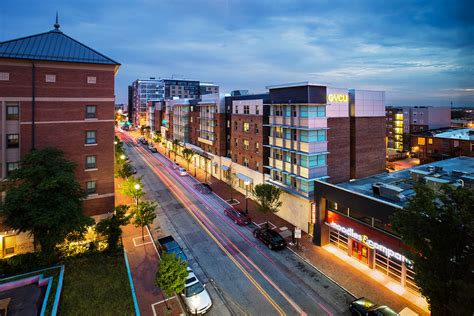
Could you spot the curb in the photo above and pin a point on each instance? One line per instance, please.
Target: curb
(315, 268)
(134, 296)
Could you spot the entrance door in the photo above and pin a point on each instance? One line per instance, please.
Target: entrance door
(360, 251)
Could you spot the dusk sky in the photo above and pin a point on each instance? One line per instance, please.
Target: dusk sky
(419, 52)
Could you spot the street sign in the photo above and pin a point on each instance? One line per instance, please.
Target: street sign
(297, 233)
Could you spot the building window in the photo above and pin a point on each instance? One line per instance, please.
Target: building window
(50, 78)
(236, 109)
(246, 144)
(91, 187)
(235, 125)
(277, 154)
(91, 137)
(228, 123)
(256, 128)
(257, 110)
(12, 166)
(245, 162)
(91, 111)
(277, 176)
(246, 109)
(430, 141)
(278, 132)
(91, 162)
(421, 141)
(91, 80)
(235, 141)
(294, 134)
(12, 112)
(278, 111)
(257, 147)
(13, 140)
(4, 76)
(246, 127)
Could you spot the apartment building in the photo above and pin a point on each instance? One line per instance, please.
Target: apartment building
(143, 90)
(62, 98)
(394, 128)
(441, 144)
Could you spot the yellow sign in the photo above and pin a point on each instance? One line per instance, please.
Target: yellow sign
(338, 98)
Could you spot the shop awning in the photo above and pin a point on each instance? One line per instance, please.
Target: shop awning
(225, 168)
(244, 178)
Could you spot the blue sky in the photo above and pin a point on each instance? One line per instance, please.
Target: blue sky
(419, 52)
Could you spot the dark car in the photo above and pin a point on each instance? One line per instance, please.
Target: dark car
(270, 238)
(204, 188)
(365, 307)
(239, 217)
(152, 149)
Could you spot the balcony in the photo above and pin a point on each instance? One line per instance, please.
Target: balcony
(313, 147)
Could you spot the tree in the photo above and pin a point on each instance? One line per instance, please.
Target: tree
(268, 197)
(438, 227)
(171, 274)
(129, 187)
(111, 227)
(174, 148)
(230, 179)
(188, 155)
(124, 170)
(46, 201)
(144, 214)
(157, 138)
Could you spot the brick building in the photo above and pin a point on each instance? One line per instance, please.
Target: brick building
(442, 144)
(57, 92)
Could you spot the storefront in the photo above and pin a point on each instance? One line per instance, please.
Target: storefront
(371, 247)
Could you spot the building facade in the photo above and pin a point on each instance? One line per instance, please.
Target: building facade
(61, 98)
(353, 219)
(442, 144)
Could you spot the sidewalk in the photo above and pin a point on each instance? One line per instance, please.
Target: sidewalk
(332, 264)
(143, 260)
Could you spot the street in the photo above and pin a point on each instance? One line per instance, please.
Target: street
(243, 276)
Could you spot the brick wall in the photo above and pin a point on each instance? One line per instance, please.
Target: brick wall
(338, 136)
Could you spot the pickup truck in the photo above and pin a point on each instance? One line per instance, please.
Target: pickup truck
(169, 245)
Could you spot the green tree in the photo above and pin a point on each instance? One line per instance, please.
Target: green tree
(188, 155)
(46, 201)
(157, 139)
(111, 227)
(124, 170)
(174, 148)
(230, 178)
(171, 274)
(438, 227)
(144, 214)
(129, 187)
(268, 197)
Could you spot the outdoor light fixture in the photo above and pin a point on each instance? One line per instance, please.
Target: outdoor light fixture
(122, 157)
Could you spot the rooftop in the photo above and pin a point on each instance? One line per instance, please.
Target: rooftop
(451, 133)
(295, 84)
(396, 187)
(52, 46)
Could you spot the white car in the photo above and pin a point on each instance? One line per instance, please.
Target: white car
(182, 171)
(195, 295)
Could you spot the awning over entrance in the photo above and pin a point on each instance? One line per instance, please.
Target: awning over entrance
(225, 168)
(244, 178)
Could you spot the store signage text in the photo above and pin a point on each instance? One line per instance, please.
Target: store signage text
(372, 244)
(338, 98)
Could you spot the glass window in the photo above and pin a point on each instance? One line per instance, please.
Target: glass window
(91, 187)
(246, 109)
(91, 162)
(246, 127)
(91, 137)
(12, 112)
(277, 154)
(421, 141)
(12, 166)
(304, 111)
(246, 144)
(91, 111)
(256, 128)
(91, 79)
(13, 140)
(430, 141)
(50, 78)
(287, 155)
(246, 162)
(278, 131)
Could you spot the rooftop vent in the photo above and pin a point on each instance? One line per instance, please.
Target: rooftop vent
(388, 191)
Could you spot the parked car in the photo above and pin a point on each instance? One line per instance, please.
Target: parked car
(195, 295)
(202, 187)
(270, 238)
(182, 171)
(239, 217)
(152, 149)
(365, 307)
(174, 165)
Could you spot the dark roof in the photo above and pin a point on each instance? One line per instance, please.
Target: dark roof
(52, 46)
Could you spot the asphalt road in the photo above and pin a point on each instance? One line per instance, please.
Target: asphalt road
(243, 276)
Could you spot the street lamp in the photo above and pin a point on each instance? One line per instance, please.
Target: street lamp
(246, 196)
(137, 188)
(122, 157)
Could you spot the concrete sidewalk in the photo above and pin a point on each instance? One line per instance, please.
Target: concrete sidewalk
(336, 267)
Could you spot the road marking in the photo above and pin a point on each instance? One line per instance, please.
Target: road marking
(160, 302)
(219, 244)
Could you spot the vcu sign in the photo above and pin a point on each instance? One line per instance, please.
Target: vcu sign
(338, 98)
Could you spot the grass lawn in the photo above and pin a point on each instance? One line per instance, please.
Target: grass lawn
(96, 285)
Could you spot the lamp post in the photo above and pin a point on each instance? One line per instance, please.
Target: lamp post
(122, 157)
(246, 197)
(137, 188)
(194, 159)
